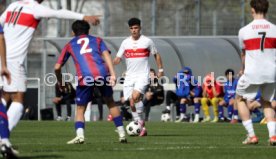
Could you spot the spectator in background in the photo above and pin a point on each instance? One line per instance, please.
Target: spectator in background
(229, 97)
(67, 97)
(154, 94)
(212, 95)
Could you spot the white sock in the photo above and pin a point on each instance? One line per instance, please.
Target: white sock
(140, 109)
(182, 115)
(135, 116)
(236, 117)
(249, 127)
(271, 126)
(4, 102)
(6, 142)
(168, 107)
(80, 132)
(121, 131)
(14, 114)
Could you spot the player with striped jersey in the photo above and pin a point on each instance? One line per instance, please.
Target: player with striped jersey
(94, 68)
(136, 50)
(258, 44)
(20, 20)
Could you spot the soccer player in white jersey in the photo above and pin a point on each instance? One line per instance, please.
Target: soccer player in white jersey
(19, 21)
(136, 49)
(258, 44)
(5, 145)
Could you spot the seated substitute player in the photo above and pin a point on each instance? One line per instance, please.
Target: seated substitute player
(257, 42)
(154, 94)
(67, 97)
(187, 91)
(136, 49)
(212, 95)
(94, 69)
(229, 97)
(5, 145)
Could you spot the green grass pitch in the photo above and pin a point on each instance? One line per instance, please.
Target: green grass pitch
(43, 140)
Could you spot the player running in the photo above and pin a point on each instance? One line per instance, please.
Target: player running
(136, 49)
(5, 145)
(257, 41)
(20, 21)
(93, 64)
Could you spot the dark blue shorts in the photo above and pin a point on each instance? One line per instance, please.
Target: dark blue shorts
(84, 94)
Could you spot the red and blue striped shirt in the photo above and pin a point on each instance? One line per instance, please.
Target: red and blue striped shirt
(86, 51)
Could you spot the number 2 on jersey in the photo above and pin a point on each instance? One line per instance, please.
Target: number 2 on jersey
(262, 40)
(84, 48)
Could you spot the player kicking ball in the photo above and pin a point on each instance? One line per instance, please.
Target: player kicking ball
(136, 49)
(257, 41)
(94, 67)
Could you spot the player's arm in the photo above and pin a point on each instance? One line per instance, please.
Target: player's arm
(58, 73)
(4, 71)
(64, 56)
(116, 60)
(242, 47)
(107, 58)
(119, 55)
(159, 63)
(243, 62)
(215, 93)
(45, 12)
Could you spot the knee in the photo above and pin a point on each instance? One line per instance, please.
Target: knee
(204, 101)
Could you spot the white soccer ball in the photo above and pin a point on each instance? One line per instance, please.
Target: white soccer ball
(133, 128)
(165, 117)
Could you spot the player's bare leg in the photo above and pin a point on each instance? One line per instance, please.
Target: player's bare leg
(117, 118)
(246, 121)
(269, 113)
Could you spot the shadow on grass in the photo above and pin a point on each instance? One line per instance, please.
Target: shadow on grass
(41, 156)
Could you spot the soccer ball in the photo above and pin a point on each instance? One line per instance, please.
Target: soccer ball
(133, 128)
(165, 117)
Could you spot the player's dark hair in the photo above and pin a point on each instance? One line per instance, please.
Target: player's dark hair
(228, 71)
(152, 70)
(80, 27)
(39, 1)
(260, 6)
(134, 21)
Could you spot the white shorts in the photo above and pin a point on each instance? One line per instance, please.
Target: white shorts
(138, 83)
(249, 91)
(18, 78)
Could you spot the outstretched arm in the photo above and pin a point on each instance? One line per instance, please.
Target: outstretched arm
(45, 12)
(159, 63)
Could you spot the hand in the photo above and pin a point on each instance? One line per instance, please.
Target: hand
(112, 80)
(6, 73)
(160, 74)
(94, 20)
(241, 72)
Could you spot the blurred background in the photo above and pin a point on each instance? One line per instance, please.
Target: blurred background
(197, 33)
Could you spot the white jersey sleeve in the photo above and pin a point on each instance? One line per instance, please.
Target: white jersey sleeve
(41, 11)
(152, 48)
(121, 50)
